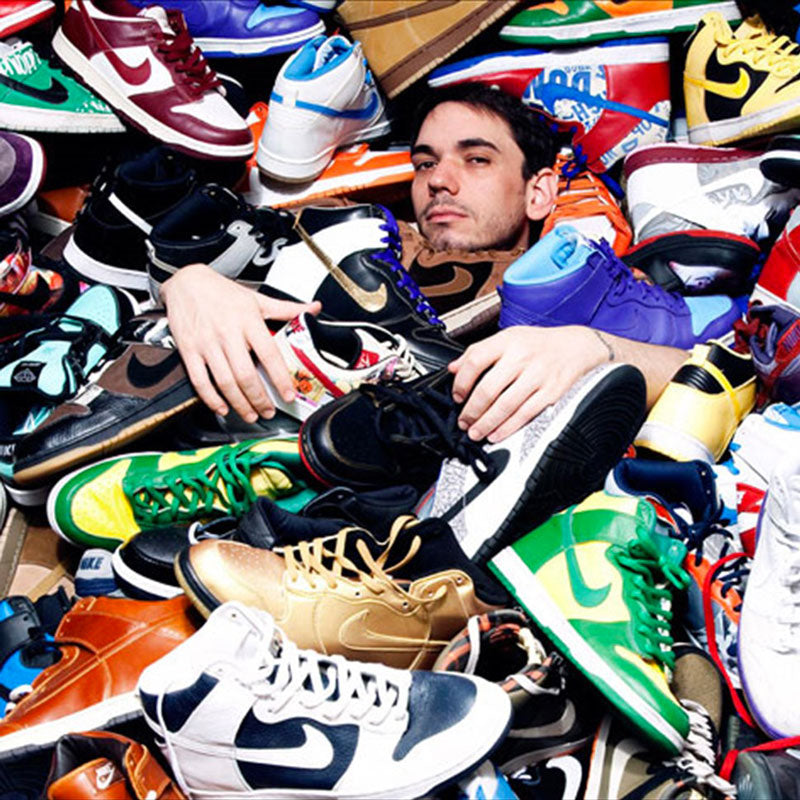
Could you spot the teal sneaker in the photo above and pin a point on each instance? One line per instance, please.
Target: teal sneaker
(594, 579)
(105, 504)
(36, 96)
(584, 21)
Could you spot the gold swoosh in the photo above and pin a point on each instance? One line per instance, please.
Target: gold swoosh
(461, 281)
(733, 91)
(355, 635)
(372, 301)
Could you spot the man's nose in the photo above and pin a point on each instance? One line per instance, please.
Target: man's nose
(443, 177)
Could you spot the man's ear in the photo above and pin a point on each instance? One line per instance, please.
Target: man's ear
(540, 194)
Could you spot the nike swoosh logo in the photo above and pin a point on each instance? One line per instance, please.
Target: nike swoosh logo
(500, 459)
(584, 594)
(573, 774)
(623, 752)
(355, 634)
(371, 301)
(733, 91)
(56, 93)
(315, 753)
(353, 113)
(135, 76)
(143, 376)
(558, 728)
(461, 281)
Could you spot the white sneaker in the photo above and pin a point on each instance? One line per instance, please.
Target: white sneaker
(324, 97)
(762, 439)
(769, 629)
(240, 711)
(328, 359)
(678, 187)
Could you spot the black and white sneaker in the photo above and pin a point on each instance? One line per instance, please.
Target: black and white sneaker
(108, 242)
(348, 258)
(293, 722)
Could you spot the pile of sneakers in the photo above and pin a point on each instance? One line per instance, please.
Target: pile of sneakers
(353, 598)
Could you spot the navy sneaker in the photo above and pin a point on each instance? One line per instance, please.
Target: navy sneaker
(245, 27)
(566, 279)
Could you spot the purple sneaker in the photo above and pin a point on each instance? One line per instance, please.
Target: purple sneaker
(566, 279)
(244, 27)
(22, 167)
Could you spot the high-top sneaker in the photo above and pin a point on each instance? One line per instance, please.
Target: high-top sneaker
(18, 14)
(108, 241)
(779, 279)
(348, 258)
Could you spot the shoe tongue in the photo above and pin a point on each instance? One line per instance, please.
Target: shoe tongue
(159, 15)
(332, 48)
(370, 352)
(23, 59)
(753, 26)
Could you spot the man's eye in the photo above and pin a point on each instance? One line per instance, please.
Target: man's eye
(421, 166)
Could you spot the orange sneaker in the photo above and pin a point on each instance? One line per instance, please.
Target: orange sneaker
(56, 209)
(105, 644)
(585, 202)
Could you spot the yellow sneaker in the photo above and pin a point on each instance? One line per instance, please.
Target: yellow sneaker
(741, 84)
(398, 601)
(702, 406)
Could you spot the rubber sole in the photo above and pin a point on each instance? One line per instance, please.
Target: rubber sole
(577, 460)
(201, 598)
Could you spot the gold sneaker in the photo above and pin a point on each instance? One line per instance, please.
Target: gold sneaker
(399, 601)
(699, 411)
(741, 84)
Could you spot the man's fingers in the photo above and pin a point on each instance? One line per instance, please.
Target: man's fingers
(469, 366)
(486, 392)
(502, 403)
(285, 309)
(229, 386)
(247, 378)
(529, 410)
(272, 361)
(198, 374)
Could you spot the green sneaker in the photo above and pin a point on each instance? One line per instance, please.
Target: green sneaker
(35, 96)
(583, 21)
(593, 578)
(107, 503)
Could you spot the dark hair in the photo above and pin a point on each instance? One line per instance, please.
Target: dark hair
(530, 132)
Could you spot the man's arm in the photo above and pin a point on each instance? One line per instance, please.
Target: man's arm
(218, 325)
(510, 377)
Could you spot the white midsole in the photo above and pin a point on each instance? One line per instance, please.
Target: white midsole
(10, 20)
(97, 271)
(210, 46)
(748, 124)
(122, 570)
(20, 118)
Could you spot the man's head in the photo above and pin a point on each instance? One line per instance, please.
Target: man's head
(482, 169)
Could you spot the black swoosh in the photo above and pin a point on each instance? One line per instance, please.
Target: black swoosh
(30, 301)
(143, 376)
(56, 93)
(718, 107)
(500, 459)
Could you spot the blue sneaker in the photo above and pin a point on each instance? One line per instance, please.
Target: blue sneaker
(245, 27)
(566, 279)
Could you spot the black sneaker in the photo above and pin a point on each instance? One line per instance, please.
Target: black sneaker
(767, 774)
(345, 257)
(108, 242)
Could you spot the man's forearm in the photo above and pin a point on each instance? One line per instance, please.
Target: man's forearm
(657, 363)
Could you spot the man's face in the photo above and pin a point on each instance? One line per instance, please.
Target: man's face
(468, 191)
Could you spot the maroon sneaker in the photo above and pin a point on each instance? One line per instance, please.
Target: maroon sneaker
(145, 64)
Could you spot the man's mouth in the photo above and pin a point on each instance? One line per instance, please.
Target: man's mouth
(441, 214)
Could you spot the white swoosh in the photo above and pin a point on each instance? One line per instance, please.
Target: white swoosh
(623, 752)
(558, 728)
(573, 773)
(316, 752)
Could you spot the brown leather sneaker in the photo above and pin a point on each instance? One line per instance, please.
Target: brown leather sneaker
(105, 644)
(398, 602)
(106, 766)
(405, 39)
(461, 285)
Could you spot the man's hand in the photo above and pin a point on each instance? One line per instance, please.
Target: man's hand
(510, 377)
(217, 325)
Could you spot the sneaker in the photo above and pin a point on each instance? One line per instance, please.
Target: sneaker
(105, 644)
(244, 27)
(555, 23)
(779, 280)
(94, 576)
(104, 504)
(771, 773)
(677, 187)
(18, 14)
(183, 107)
(591, 557)
(23, 163)
(739, 85)
(772, 336)
(403, 43)
(397, 601)
(585, 203)
(56, 209)
(763, 439)
(136, 391)
(35, 95)
(781, 160)
(630, 75)
(566, 279)
(767, 640)
(697, 261)
(363, 717)
(108, 241)
(554, 461)
(310, 255)
(545, 723)
(354, 169)
(109, 762)
(697, 414)
(327, 91)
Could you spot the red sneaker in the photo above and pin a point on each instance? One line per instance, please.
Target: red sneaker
(18, 14)
(145, 64)
(779, 281)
